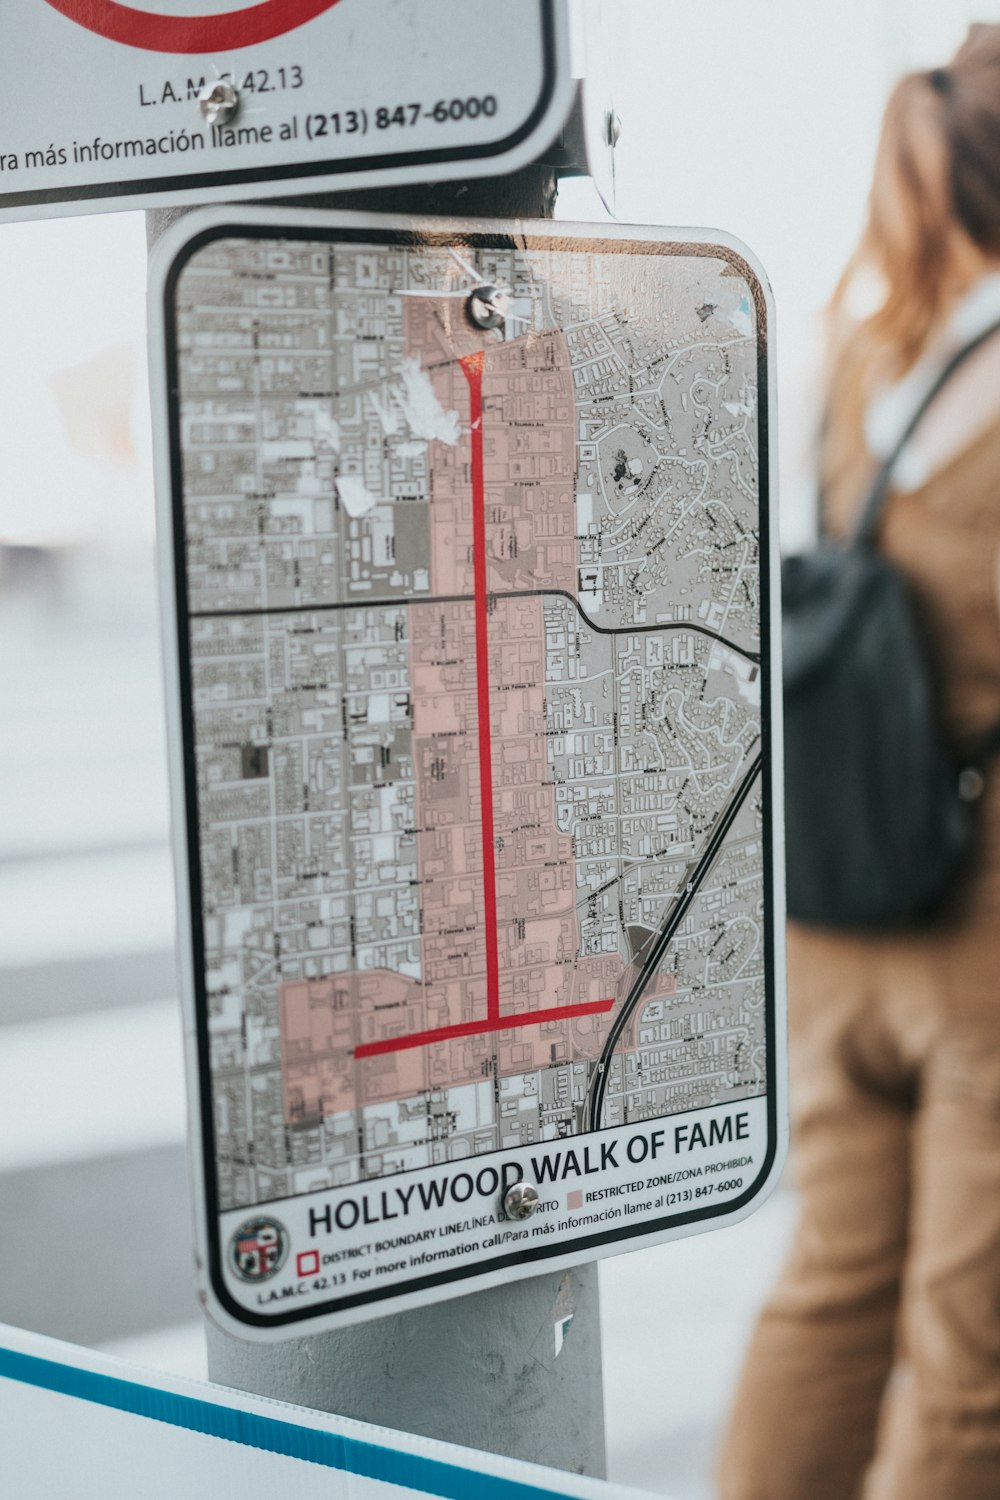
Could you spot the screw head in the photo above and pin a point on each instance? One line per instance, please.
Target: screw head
(219, 102)
(520, 1200)
(485, 307)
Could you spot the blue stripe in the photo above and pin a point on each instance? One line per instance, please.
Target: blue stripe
(252, 1430)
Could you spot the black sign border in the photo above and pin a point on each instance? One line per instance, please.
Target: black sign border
(575, 1250)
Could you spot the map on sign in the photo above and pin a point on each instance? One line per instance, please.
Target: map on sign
(162, 102)
(473, 684)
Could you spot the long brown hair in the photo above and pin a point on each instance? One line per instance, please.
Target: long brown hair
(935, 194)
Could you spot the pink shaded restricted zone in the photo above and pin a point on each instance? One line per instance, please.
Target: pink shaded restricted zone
(502, 989)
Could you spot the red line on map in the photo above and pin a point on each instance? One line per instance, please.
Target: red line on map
(494, 1020)
(481, 1028)
(472, 368)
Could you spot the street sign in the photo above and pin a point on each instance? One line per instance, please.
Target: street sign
(186, 101)
(74, 1422)
(468, 568)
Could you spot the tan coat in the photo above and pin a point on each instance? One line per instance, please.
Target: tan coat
(895, 1053)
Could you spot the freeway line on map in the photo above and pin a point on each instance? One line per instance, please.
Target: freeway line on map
(400, 603)
(654, 958)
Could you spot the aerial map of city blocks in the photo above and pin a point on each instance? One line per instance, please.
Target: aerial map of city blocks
(472, 627)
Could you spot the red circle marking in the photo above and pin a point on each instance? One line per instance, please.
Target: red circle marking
(241, 28)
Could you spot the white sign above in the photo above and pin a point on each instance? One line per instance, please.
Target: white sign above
(188, 101)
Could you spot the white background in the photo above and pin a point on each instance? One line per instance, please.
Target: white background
(757, 116)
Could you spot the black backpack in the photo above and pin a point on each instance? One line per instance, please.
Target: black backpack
(878, 811)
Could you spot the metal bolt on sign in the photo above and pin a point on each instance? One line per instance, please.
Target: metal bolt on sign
(520, 1200)
(485, 307)
(219, 102)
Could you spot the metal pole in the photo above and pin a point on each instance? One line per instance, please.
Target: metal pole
(500, 1370)
(484, 1371)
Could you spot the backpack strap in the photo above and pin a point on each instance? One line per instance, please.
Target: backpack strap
(871, 512)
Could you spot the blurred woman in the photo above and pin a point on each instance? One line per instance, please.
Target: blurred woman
(875, 1366)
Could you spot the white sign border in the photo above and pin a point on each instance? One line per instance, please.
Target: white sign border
(165, 263)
